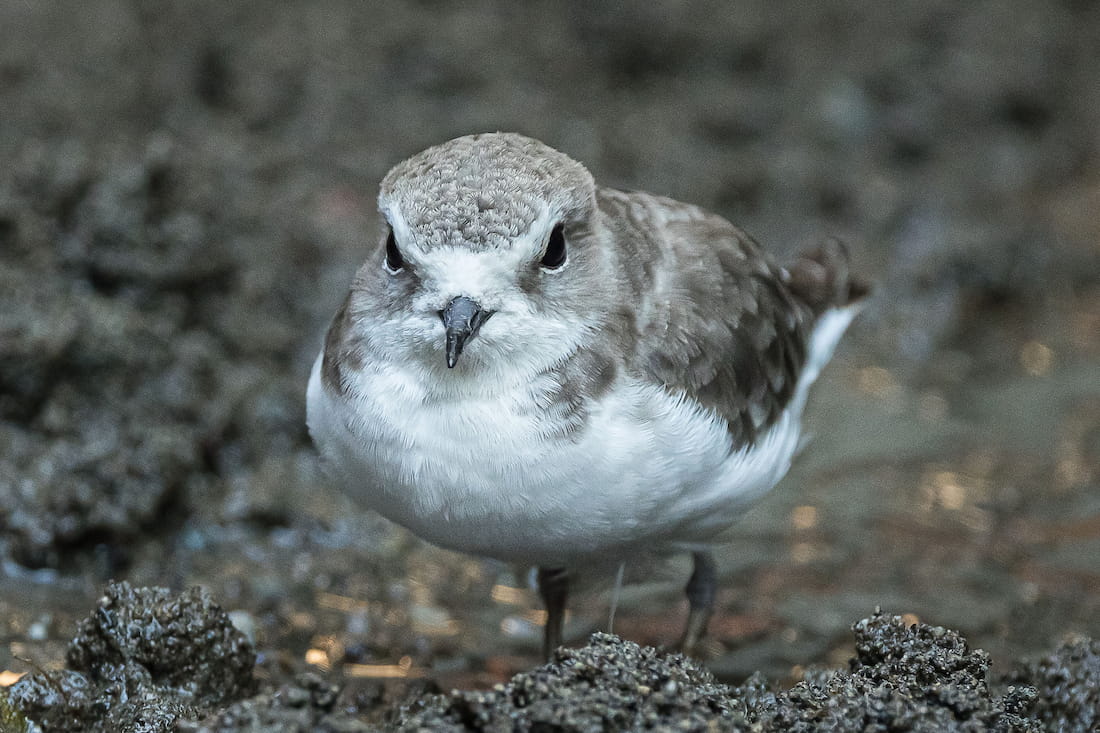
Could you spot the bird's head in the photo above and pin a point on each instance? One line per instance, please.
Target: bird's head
(489, 255)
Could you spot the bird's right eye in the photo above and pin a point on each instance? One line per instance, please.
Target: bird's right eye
(394, 261)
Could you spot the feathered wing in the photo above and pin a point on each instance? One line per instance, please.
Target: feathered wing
(715, 317)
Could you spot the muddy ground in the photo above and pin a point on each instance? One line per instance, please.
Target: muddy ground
(185, 189)
(150, 660)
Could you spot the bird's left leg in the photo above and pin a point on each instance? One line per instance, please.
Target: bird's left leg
(700, 590)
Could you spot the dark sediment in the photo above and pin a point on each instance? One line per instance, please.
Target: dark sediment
(150, 660)
(306, 703)
(918, 678)
(126, 379)
(186, 190)
(144, 659)
(1067, 683)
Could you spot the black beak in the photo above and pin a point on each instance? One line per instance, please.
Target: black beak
(462, 318)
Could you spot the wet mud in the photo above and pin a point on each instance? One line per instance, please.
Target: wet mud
(150, 660)
(185, 192)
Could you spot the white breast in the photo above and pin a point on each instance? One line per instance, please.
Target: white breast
(652, 472)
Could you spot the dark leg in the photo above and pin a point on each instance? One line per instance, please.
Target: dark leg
(700, 591)
(554, 589)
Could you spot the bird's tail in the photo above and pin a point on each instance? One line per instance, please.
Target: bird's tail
(822, 279)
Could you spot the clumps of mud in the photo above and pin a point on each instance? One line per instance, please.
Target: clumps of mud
(610, 684)
(1067, 683)
(143, 660)
(904, 678)
(148, 660)
(144, 355)
(308, 703)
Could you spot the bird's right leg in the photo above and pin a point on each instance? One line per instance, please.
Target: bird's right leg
(554, 589)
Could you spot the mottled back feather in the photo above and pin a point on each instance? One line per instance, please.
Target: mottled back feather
(715, 318)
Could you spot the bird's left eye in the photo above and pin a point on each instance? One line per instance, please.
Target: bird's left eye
(554, 257)
(394, 260)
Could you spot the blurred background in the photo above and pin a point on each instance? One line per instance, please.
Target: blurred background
(187, 188)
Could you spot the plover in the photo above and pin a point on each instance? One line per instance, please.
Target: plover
(534, 368)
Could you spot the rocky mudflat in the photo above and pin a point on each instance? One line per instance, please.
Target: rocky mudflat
(149, 660)
(186, 190)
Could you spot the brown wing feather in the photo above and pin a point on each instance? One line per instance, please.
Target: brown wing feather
(716, 318)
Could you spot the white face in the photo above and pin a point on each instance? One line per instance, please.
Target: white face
(488, 277)
(534, 325)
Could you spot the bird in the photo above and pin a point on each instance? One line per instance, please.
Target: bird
(531, 367)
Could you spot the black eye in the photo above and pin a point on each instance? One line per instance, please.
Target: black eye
(554, 257)
(394, 260)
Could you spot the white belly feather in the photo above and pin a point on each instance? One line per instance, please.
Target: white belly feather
(652, 472)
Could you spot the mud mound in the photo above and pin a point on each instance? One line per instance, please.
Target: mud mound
(144, 659)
